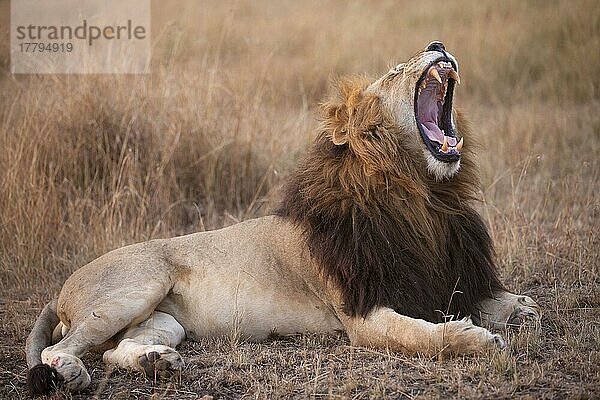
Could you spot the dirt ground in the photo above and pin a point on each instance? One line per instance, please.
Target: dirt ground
(560, 361)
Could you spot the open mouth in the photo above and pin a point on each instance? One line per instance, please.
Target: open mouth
(433, 110)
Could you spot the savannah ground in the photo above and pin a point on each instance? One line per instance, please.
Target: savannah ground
(91, 163)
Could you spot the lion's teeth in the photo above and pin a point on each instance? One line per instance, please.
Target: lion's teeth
(454, 75)
(433, 72)
(459, 145)
(445, 145)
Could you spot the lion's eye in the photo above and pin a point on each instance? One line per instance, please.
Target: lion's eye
(393, 73)
(396, 70)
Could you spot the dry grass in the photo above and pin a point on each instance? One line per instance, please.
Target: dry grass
(91, 163)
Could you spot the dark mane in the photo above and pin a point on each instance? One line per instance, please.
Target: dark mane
(384, 231)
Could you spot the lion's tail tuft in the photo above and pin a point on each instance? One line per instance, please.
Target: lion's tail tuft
(41, 378)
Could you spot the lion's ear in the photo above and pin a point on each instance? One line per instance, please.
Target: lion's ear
(341, 108)
(335, 120)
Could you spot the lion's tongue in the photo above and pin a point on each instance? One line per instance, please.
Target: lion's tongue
(429, 109)
(433, 132)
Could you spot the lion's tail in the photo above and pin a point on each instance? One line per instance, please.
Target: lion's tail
(41, 378)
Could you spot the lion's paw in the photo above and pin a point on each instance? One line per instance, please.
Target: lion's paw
(527, 312)
(72, 371)
(462, 337)
(160, 361)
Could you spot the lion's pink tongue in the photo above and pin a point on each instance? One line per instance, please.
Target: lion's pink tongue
(429, 109)
(433, 132)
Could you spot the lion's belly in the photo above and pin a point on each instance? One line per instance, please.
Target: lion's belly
(254, 312)
(233, 283)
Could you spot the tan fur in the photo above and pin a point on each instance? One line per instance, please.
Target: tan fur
(258, 277)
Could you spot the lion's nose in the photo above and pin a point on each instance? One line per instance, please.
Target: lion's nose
(435, 46)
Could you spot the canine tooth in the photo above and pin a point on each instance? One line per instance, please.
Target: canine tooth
(454, 75)
(433, 72)
(445, 145)
(459, 145)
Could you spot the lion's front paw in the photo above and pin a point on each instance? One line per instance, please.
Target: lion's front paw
(527, 312)
(462, 337)
(160, 361)
(74, 375)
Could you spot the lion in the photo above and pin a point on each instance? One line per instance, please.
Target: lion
(376, 235)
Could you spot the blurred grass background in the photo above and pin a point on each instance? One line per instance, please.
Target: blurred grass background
(90, 163)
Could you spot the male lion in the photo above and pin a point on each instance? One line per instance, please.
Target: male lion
(376, 235)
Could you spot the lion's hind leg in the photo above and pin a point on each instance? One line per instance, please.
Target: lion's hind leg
(150, 346)
(95, 319)
(93, 331)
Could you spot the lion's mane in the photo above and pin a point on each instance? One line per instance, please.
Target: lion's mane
(384, 231)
